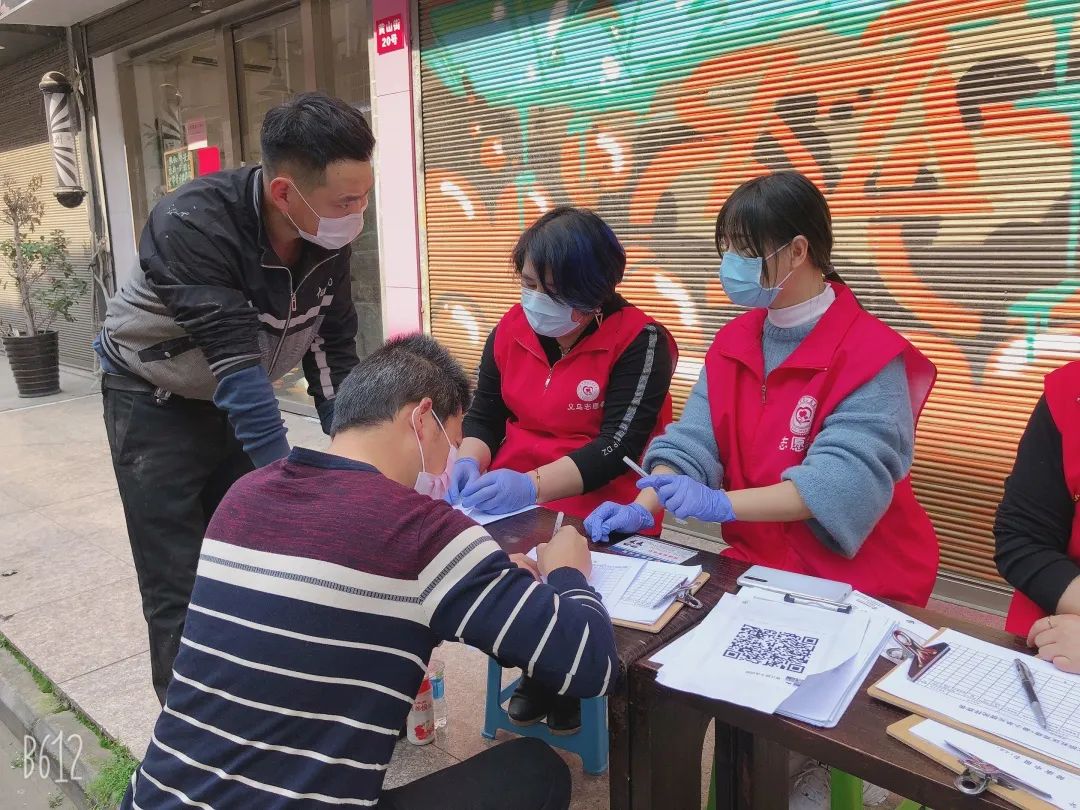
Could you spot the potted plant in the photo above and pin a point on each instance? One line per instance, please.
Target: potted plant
(46, 286)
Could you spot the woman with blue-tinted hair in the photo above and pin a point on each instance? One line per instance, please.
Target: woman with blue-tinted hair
(571, 380)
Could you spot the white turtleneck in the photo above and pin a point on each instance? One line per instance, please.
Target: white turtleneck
(802, 314)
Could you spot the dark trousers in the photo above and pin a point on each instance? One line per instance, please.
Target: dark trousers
(523, 773)
(174, 462)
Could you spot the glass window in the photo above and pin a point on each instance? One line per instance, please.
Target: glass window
(269, 70)
(179, 122)
(179, 119)
(350, 24)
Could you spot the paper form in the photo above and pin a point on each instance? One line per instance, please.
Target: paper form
(611, 576)
(757, 652)
(920, 631)
(631, 588)
(1063, 786)
(976, 683)
(483, 518)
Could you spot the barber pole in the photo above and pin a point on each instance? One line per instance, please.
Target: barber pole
(61, 118)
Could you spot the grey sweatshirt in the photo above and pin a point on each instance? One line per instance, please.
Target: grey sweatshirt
(865, 446)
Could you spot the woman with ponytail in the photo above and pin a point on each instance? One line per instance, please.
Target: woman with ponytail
(800, 431)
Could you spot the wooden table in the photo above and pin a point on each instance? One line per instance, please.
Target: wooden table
(520, 533)
(667, 730)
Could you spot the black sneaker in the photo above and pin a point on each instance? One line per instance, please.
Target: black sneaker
(564, 716)
(529, 703)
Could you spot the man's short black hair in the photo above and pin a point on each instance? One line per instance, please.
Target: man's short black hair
(312, 130)
(405, 369)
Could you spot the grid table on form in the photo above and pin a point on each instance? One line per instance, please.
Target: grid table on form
(994, 685)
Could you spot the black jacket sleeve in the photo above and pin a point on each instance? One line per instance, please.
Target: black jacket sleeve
(197, 280)
(486, 419)
(636, 391)
(333, 351)
(1034, 520)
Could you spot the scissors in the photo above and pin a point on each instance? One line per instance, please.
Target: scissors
(979, 775)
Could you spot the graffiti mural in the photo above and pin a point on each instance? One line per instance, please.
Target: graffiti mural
(946, 136)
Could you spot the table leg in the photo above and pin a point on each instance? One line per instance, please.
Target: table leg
(751, 772)
(769, 774)
(666, 738)
(619, 748)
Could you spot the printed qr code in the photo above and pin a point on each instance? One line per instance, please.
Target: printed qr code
(772, 648)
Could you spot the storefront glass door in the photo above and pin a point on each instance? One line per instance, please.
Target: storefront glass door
(196, 105)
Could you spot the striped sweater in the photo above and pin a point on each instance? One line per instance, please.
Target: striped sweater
(322, 589)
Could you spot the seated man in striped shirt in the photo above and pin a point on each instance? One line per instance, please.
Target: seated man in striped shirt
(324, 583)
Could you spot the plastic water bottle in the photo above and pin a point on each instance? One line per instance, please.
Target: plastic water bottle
(437, 675)
(421, 725)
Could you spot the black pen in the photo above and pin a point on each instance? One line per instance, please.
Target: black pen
(1028, 683)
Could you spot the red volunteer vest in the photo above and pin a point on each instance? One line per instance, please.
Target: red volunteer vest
(1063, 398)
(764, 426)
(560, 408)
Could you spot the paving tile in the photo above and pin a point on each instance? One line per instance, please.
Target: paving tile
(120, 699)
(71, 636)
(9, 505)
(90, 514)
(303, 432)
(466, 690)
(60, 481)
(114, 541)
(51, 564)
(411, 762)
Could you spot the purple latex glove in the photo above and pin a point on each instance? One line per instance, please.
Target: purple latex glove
(499, 492)
(611, 517)
(686, 498)
(465, 471)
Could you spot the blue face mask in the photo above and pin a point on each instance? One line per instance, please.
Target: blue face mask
(741, 277)
(547, 317)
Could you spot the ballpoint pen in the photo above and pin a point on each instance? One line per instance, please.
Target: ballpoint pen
(1028, 683)
(558, 523)
(629, 462)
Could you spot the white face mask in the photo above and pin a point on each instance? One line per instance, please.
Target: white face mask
(333, 233)
(430, 484)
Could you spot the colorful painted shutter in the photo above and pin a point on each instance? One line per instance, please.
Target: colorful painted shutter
(946, 136)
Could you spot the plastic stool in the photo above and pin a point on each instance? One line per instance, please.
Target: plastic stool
(846, 793)
(590, 742)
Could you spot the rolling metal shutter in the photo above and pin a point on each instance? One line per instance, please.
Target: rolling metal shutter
(946, 136)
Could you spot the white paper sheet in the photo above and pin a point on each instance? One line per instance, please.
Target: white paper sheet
(920, 631)
(1063, 786)
(822, 699)
(631, 588)
(757, 652)
(612, 575)
(646, 599)
(976, 683)
(483, 518)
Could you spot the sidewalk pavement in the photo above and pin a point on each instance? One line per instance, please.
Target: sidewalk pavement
(70, 602)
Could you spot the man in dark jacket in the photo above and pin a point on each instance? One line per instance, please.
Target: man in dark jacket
(242, 275)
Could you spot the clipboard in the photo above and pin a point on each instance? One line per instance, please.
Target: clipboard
(886, 697)
(668, 614)
(901, 730)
